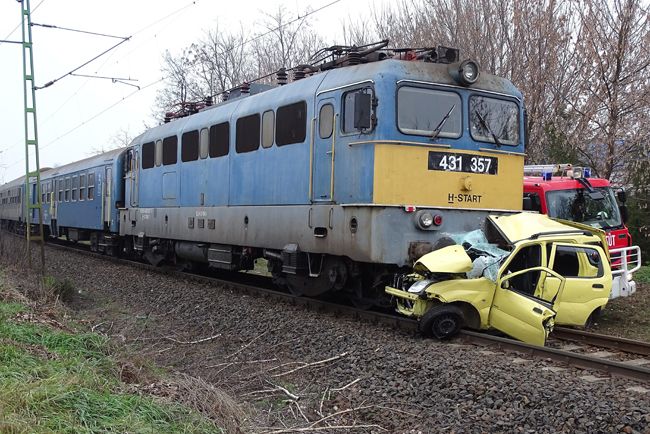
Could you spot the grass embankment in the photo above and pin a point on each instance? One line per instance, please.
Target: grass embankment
(629, 316)
(54, 380)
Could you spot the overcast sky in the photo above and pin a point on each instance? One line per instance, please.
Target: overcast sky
(71, 124)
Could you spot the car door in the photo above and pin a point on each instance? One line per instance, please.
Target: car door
(588, 281)
(521, 315)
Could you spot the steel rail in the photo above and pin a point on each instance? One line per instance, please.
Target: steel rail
(572, 359)
(612, 368)
(605, 341)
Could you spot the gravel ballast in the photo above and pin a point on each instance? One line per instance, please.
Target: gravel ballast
(295, 370)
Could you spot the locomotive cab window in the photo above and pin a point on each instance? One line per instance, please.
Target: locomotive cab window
(268, 124)
(170, 150)
(204, 143)
(358, 111)
(219, 139)
(248, 134)
(190, 146)
(429, 112)
(147, 155)
(494, 120)
(291, 125)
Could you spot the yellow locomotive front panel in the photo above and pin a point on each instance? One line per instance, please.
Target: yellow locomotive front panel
(440, 177)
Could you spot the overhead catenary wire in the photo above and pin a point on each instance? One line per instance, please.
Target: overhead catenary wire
(21, 23)
(51, 26)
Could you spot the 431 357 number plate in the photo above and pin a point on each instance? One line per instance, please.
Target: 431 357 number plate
(450, 162)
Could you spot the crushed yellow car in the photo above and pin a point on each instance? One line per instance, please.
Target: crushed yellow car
(520, 274)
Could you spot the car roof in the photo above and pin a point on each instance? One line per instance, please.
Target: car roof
(526, 225)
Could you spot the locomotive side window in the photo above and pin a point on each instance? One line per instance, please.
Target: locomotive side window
(170, 150)
(326, 121)
(147, 155)
(67, 189)
(357, 110)
(91, 186)
(427, 112)
(268, 121)
(248, 134)
(219, 139)
(204, 143)
(158, 153)
(190, 146)
(82, 186)
(291, 124)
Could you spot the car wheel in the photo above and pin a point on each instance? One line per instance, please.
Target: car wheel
(442, 321)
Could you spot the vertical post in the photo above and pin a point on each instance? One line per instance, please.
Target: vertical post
(32, 177)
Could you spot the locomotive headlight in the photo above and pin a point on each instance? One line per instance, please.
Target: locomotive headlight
(426, 220)
(468, 72)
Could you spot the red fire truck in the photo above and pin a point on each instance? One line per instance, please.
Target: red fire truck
(570, 193)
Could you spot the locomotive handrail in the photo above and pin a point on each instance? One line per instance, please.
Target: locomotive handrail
(399, 142)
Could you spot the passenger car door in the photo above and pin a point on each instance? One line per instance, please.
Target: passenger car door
(519, 315)
(588, 281)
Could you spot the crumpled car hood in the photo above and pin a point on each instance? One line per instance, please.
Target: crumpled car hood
(450, 259)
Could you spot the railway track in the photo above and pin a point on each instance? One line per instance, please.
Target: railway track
(570, 358)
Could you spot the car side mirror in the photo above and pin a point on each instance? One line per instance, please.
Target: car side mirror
(621, 195)
(505, 284)
(362, 110)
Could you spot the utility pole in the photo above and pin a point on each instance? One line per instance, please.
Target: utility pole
(33, 203)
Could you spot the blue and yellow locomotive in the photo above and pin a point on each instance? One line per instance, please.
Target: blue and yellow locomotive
(356, 168)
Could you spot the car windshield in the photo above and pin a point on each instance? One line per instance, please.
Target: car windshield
(576, 205)
(494, 120)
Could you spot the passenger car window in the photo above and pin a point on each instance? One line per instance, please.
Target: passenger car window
(147, 155)
(268, 126)
(190, 146)
(67, 189)
(170, 150)
(326, 121)
(204, 143)
(577, 262)
(91, 186)
(82, 186)
(349, 107)
(291, 126)
(248, 134)
(219, 139)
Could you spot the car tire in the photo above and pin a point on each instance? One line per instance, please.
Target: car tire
(442, 322)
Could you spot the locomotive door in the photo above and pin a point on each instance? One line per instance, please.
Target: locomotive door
(108, 194)
(133, 178)
(323, 152)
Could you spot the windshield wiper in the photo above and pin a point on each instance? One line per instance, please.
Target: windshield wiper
(441, 124)
(487, 127)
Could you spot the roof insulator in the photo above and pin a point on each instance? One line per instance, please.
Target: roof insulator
(282, 76)
(245, 88)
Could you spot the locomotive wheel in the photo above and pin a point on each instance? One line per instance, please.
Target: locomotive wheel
(442, 321)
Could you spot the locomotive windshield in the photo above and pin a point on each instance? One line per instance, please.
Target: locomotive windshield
(577, 205)
(422, 111)
(494, 120)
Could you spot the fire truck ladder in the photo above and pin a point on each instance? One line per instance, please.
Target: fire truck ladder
(33, 203)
